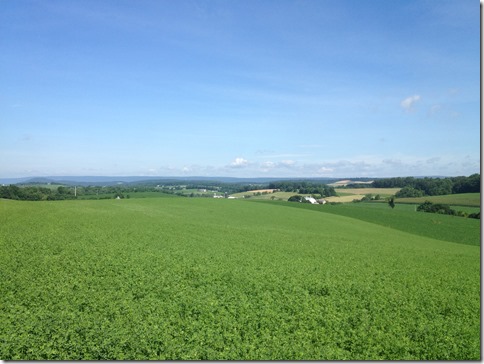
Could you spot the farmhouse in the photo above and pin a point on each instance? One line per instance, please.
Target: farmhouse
(311, 200)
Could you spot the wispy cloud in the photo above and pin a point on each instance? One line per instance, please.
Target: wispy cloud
(26, 137)
(288, 163)
(311, 146)
(434, 109)
(270, 166)
(287, 155)
(325, 170)
(264, 151)
(408, 103)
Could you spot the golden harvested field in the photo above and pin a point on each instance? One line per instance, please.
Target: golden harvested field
(348, 198)
(373, 191)
(347, 182)
(267, 196)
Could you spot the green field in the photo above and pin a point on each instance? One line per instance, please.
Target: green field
(404, 217)
(126, 195)
(460, 199)
(181, 278)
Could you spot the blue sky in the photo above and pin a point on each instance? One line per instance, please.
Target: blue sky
(243, 88)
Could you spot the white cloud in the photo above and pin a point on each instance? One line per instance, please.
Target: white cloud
(239, 163)
(364, 166)
(355, 166)
(407, 104)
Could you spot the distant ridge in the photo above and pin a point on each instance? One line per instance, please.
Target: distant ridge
(113, 180)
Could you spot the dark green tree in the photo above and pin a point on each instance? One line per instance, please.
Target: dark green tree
(391, 202)
(295, 198)
(409, 192)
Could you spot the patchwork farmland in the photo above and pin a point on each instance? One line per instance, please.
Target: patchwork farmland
(179, 278)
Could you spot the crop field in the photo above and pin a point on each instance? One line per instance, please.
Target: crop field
(265, 196)
(344, 197)
(195, 191)
(270, 190)
(126, 195)
(404, 217)
(344, 194)
(459, 199)
(345, 182)
(384, 192)
(180, 278)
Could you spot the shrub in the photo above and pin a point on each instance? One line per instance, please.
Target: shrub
(437, 208)
(475, 215)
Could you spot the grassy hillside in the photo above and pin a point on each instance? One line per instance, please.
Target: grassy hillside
(404, 217)
(180, 278)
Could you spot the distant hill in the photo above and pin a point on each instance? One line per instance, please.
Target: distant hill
(115, 180)
(119, 180)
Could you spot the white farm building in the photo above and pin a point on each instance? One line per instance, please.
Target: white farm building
(311, 200)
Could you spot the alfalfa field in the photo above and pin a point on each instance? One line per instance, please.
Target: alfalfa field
(181, 278)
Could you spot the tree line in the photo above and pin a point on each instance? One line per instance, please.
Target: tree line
(35, 193)
(39, 193)
(303, 187)
(417, 187)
